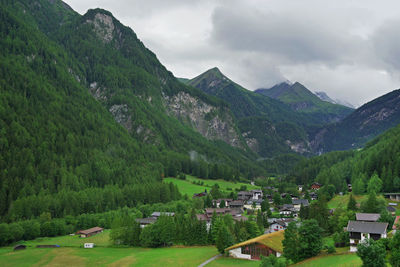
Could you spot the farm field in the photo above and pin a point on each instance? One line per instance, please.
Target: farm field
(187, 187)
(342, 260)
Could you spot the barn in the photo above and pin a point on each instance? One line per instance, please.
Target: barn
(90, 232)
(264, 245)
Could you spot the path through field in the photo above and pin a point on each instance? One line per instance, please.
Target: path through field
(209, 260)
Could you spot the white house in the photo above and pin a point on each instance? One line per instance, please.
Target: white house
(361, 230)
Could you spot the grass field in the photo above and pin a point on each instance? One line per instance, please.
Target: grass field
(341, 201)
(225, 261)
(342, 260)
(72, 253)
(187, 187)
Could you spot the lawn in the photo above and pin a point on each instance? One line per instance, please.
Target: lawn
(226, 261)
(102, 256)
(187, 187)
(343, 260)
(341, 201)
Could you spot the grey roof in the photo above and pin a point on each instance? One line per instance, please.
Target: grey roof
(158, 214)
(300, 201)
(369, 217)
(236, 203)
(390, 209)
(367, 227)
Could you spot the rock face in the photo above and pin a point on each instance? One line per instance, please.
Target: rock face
(103, 26)
(212, 122)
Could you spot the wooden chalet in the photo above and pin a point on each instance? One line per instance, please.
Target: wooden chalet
(254, 248)
(316, 186)
(361, 230)
(90, 232)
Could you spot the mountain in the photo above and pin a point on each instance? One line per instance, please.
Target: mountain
(360, 126)
(302, 100)
(324, 97)
(84, 105)
(268, 126)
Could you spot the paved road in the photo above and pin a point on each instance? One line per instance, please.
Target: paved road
(210, 260)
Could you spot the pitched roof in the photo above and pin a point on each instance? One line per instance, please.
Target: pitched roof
(236, 203)
(367, 227)
(300, 201)
(146, 220)
(158, 214)
(272, 240)
(369, 217)
(91, 230)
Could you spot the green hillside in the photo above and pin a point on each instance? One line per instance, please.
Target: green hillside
(300, 99)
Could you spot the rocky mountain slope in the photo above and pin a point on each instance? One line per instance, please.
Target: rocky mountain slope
(268, 126)
(324, 97)
(360, 126)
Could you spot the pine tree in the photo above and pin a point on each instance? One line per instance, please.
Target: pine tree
(352, 204)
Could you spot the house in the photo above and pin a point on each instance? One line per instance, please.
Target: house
(253, 249)
(392, 196)
(236, 204)
(361, 230)
(250, 203)
(391, 210)
(88, 245)
(278, 225)
(257, 194)
(286, 210)
(157, 214)
(19, 247)
(396, 224)
(205, 218)
(298, 202)
(313, 196)
(368, 217)
(217, 202)
(316, 186)
(209, 212)
(146, 221)
(349, 187)
(90, 232)
(244, 195)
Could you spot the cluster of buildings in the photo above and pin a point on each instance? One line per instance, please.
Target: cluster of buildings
(237, 214)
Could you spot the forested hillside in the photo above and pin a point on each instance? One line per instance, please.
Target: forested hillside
(302, 100)
(380, 156)
(360, 126)
(83, 115)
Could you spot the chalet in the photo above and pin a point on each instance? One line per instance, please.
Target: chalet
(217, 202)
(298, 202)
(278, 225)
(209, 212)
(361, 230)
(204, 218)
(286, 210)
(368, 217)
(19, 247)
(396, 224)
(236, 204)
(316, 186)
(392, 196)
(257, 194)
(300, 188)
(349, 187)
(146, 221)
(90, 232)
(391, 210)
(253, 249)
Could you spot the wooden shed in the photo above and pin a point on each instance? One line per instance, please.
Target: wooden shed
(90, 232)
(264, 245)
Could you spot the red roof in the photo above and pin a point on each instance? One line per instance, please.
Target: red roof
(396, 223)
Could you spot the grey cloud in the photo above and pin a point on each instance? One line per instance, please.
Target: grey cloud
(297, 39)
(386, 40)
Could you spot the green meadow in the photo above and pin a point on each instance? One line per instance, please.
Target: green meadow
(72, 253)
(342, 260)
(188, 187)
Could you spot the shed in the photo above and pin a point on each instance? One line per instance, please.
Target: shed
(254, 248)
(19, 247)
(90, 232)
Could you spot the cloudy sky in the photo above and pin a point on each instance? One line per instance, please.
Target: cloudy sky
(347, 48)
